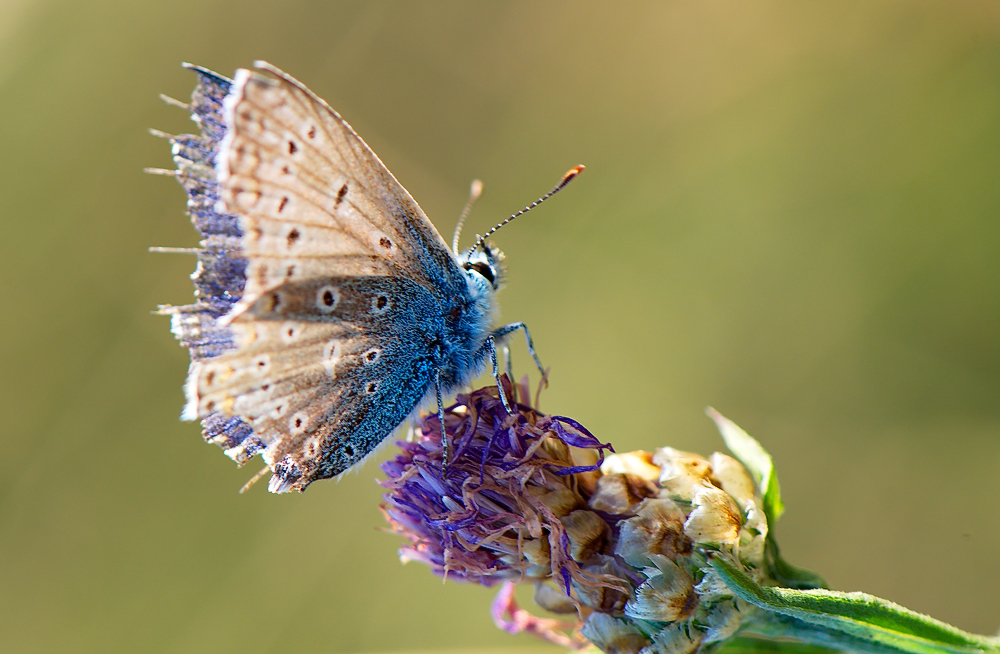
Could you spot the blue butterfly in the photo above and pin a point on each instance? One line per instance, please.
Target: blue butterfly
(329, 307)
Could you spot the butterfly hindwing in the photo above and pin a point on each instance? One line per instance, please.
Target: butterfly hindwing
(322, 366)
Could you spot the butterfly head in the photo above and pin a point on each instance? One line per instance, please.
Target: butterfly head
(485, 262)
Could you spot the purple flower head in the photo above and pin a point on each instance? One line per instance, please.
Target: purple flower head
(620, 543)
(503, 509)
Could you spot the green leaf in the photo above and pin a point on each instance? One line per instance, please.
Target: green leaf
(756, 459)
(853, 621)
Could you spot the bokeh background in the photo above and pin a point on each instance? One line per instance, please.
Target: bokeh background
(790, 212)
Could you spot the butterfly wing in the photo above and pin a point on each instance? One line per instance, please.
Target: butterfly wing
(321, 386)
(347, 285)
(313, 196)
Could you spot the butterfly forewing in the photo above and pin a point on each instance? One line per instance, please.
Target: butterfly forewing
(312, 196)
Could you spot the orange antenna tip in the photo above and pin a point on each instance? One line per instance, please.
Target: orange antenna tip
(573, 172)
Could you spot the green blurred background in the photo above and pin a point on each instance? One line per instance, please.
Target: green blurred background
(789, 213)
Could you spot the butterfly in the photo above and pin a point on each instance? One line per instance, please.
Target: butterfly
(329, 307)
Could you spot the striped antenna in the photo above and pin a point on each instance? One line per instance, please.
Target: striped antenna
(567, 178)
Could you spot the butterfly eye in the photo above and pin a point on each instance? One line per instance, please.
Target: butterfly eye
(483, 269)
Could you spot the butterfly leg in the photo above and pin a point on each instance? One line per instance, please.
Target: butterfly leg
(506, 330)
(446, 456)
(491, 346)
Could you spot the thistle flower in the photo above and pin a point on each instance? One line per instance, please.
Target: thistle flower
(646, 552)
(623, 543)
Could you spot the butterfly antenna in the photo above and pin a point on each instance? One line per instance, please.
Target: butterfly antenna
(474, 192)
(567, 178)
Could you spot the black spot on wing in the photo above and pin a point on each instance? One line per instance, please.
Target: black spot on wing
(341, 194)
